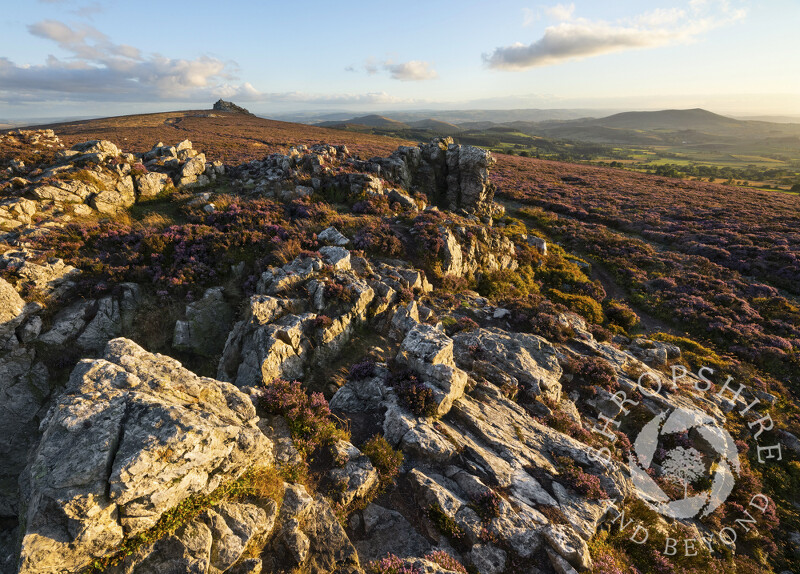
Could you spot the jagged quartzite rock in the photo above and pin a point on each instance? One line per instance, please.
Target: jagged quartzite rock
(207, 323)
(332, 236)
(223, 106)
(212, 542)
(356, 476)
(452, 176)
(11, 303)
(429, 351)
(387, 531)
(100, 147)
(519, 359)
(149, 185)
(311, 536)
(193, 169)
(488, 558)
(133, 435)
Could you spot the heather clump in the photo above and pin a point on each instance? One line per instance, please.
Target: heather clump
(413, 392)
(308, 415)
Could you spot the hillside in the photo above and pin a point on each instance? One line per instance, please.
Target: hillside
(231, 344)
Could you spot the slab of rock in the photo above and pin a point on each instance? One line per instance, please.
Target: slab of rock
(133, 435)
(332, 236)
(388, 531)
(429, 351)
(355, 478)
(520, 359)
(11, 304)
(207, 324)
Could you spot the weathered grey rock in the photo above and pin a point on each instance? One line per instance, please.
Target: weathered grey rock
(387, 531)
(149, 185)
(311, 536)
(404, 200)
(338, 257)
(113, 201)
(526, 360)
(102, 148)
(188, 550)
(64, 191)
(539, 243)
(559, 563)
(193, 169)
(233, 527)
(207, 324)
(11, 304)
(355, 478)
(24, 389)
(430, 352)
(488, 558)
(132, 435)
(332, 236)
(568, 544)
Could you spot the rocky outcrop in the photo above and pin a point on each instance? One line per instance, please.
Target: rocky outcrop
(133, 435)
(223, 106)
(451, 176)
(213, 542)
(429, 352)
(469, 251)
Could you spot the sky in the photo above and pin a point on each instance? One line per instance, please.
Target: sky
(62, 58)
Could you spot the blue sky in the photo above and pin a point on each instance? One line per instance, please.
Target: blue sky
(83, 57)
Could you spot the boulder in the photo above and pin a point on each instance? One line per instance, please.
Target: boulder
(387, 531)
(133, 435)
(332, 236)
(149, 185)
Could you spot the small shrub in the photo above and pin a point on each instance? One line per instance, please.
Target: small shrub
(445, 524)
(338, 291)
(308, 416)
(446, 561)
(386, 460)
(580, 481)
(583, 305)
(322, 321)
(415, 394)
(362, 370)
(390, 564)
(621, 314)
(487, 505)
(596, 371)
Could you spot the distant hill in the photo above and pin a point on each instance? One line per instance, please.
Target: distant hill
(439, 127)
(694, 119)
(370, 121)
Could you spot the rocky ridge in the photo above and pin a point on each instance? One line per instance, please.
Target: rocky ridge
(132, 439)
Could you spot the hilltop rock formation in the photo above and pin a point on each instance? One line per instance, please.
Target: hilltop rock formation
(223, 106)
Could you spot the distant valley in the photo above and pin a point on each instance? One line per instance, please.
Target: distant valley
(693, 143)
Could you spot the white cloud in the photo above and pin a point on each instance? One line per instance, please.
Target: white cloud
(412, 71)
(578, 38)
(560, 12)
(98, 69)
